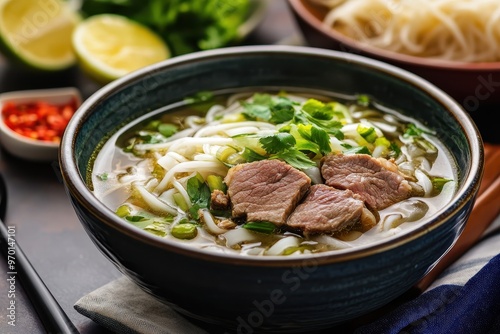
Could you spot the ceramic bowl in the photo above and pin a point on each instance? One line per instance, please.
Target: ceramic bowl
(284, 294)
(25, 147)
(476, 86)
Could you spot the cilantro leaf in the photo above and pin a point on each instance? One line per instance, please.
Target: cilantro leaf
(331, 126)
(318, 109)
(199, 194)
(357, 150)
(198, 191)
(282, 110)
(278, 142)
(265, 107)
(317, 136)
(256, 111)
(282, 115)
(262, 99)
(295, 158)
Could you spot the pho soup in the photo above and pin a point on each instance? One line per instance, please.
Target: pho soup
(274, 172)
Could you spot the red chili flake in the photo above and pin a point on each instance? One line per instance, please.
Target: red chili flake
(39, 120)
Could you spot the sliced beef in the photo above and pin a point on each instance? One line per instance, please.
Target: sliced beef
(376, 180)
(219, 200)
(267, 190)
(328, 210)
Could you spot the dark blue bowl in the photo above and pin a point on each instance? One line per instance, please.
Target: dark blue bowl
(297, 294)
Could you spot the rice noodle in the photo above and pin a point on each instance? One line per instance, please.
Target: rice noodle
(190, 166)
(167, 197)
(170, 160)
(329, 240)
(241, 131)
(238, 236)
(209, 221)
(189, 143)
(215, 129)
(212, 112)
(281, 245)
(153, 201)
(424, 181)
(465, 30)
(177, 185)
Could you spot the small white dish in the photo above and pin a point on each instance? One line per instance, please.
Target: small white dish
(25, 147)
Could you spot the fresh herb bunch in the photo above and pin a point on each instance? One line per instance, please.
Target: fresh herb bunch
(186, 26)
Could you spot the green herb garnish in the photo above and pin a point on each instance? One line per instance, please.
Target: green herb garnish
(260, 226)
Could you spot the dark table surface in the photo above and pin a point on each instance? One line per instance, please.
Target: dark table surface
(46, 225)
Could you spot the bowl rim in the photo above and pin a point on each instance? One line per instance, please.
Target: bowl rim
(77, 188)
(34, 95)
(301, 10)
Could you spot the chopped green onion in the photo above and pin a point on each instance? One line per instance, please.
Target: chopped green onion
(102, 176)
(250, 155)
(363, 100)
(413, 131)
(156, 228)
(291, 250)
(135, 218)
(199, 177)
(183, 220)
(439, 182)
(216, 182)
(368, 133)
(153, 125)
(123, 211)
(425, 145)
(184, 231)
(167, 129)
(382, 141)
(181, 202)
(262, 227)
(139, 221)
(224, 152)
(235, 159)
(396, 149)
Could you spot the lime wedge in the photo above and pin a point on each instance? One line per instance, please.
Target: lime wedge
(38, 34)
(108, 46)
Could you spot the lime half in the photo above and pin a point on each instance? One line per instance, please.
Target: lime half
(38, 33)
(108, 46)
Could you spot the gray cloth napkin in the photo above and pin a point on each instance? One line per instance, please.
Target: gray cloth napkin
(122, 307)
